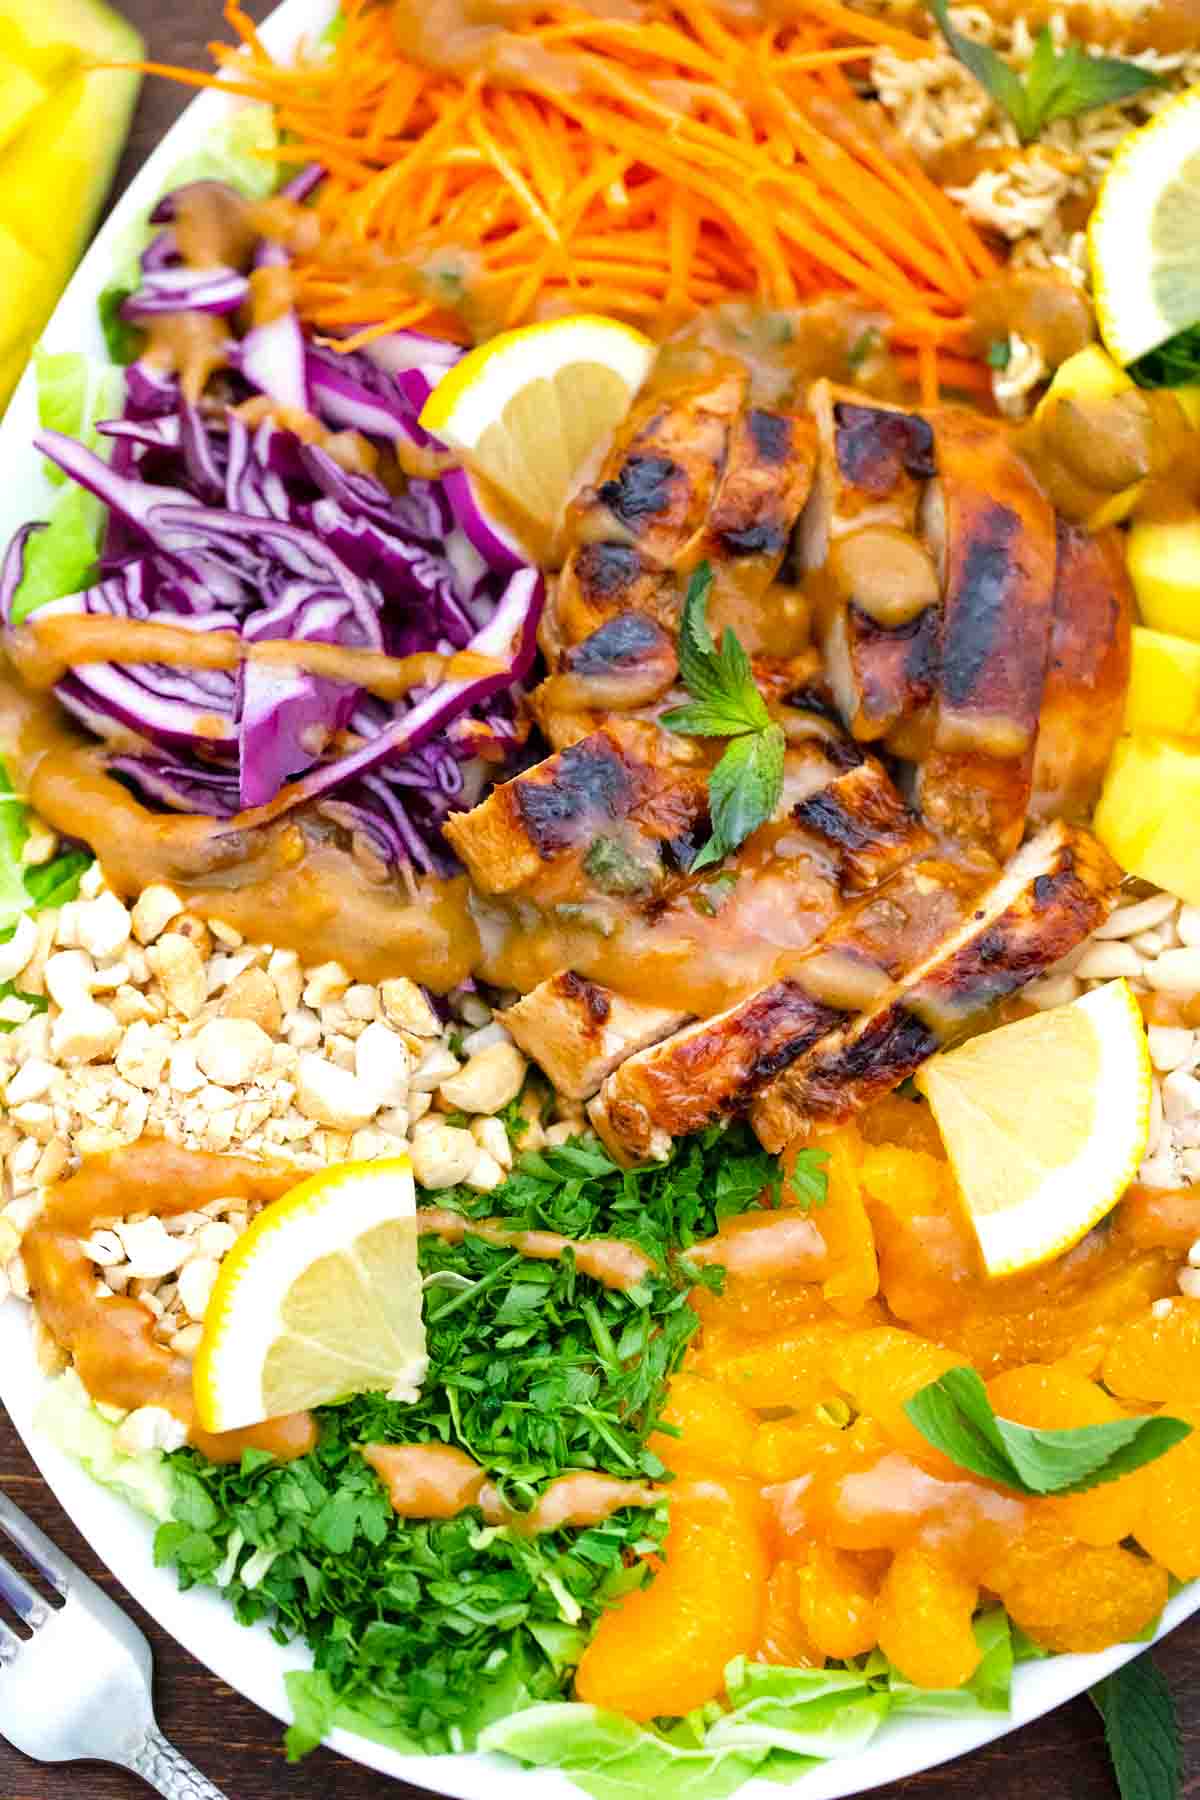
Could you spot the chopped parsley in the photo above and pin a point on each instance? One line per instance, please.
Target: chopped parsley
(422, 1632)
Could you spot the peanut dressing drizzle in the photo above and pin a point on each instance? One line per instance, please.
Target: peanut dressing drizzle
(610, 1261)
(439, 1481)
(112, 1340)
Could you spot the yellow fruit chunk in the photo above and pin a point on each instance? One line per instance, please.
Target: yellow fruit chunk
(319, 1299)
(1164, 684)
(20, 95)
(924, 1618)
(62, 127)
(1090, 374)
(1040, 1161)
(1151, 795)
(1164, 566)
(528, 408)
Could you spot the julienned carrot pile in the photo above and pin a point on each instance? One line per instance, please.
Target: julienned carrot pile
(641, 167)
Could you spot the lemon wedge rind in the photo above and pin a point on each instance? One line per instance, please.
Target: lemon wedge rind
(528, 410)
(318, 1299)
(1144, 233)
(1045, 1122)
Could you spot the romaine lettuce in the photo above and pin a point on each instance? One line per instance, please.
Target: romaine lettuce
(72, 1422)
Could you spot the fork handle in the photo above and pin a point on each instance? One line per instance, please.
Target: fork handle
(160, 1764)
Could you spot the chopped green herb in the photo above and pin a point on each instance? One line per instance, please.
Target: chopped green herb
(29, 888)
(809, 1180)
(1173, 364)
(426, 1631)
(999, 353)
(745, 786)
(956, 1416)
(1060, 84)
(615, 870)
(863, 347)
(1141, 1730)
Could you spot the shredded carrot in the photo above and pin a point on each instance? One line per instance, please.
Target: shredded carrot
(643, 169)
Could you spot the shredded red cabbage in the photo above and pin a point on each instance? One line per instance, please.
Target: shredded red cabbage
(217, 524)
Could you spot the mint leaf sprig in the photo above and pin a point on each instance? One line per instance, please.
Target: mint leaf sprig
(1060, 84)
(809, 1179)
(955, 1415)
(1141, 1730)
(744, 788)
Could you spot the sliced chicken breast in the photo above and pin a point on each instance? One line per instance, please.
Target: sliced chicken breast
(706, 1072)
(578, 1031)
(861, 817)
(1087, 675)
(1057, 889)
(993, 535)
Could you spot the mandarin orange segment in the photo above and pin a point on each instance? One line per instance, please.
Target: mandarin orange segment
(786, 1448)
(1154, 1359)
(909, 1123)
(663, 1649)
(837, 1603)
(1055, 1397)
(784, 1640)
(751, 1308)
(716, 1433)
(1085, 1597)
(853, 1276)
(924, 1615)
(926, 1247)
(789, 1370)
(1169, 1525)
(891, 1501)
(882, 1368)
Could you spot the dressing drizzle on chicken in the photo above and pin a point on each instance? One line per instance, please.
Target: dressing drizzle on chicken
(947, 660)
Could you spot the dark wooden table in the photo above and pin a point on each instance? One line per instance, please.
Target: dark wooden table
(1060, 1758)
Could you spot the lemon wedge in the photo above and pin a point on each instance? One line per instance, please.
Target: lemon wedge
(1045, 1122)
(319, 1299)
(528, 409)
(1144, 233)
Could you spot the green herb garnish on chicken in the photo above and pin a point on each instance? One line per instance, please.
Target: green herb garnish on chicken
(745, 785)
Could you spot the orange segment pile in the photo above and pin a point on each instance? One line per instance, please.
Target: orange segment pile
(571, 162)
(812, 1522)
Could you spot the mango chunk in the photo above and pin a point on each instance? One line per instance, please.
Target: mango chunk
(20, 96)
(1164, 566)
(1090, 374)
(1148, 809)
(1164, 684)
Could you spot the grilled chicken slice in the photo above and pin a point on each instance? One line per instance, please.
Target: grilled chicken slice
(615, 788)
(862, 819)
(1057, 889)
(578, 1031)
(993, 535)
(600, 582)
(706, 1072)
(657, 486)
(1087, 674)
(877, 585)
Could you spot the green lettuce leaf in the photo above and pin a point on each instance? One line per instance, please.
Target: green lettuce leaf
(228, 154)
(73, 391)
(61, 558)
(24, 889)
(613, 1759)
(68, 1417)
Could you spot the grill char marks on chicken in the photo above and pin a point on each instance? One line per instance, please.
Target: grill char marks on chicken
(1087, 673)
(993, 535)
(707, 1072)
(1055, 892)
(579, 1030)
(611, 787)
(861, 817)
(876, 616)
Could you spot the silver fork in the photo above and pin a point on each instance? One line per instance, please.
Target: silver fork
(79, 1687)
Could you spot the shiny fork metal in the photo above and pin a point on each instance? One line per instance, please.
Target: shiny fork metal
(79, 1687)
